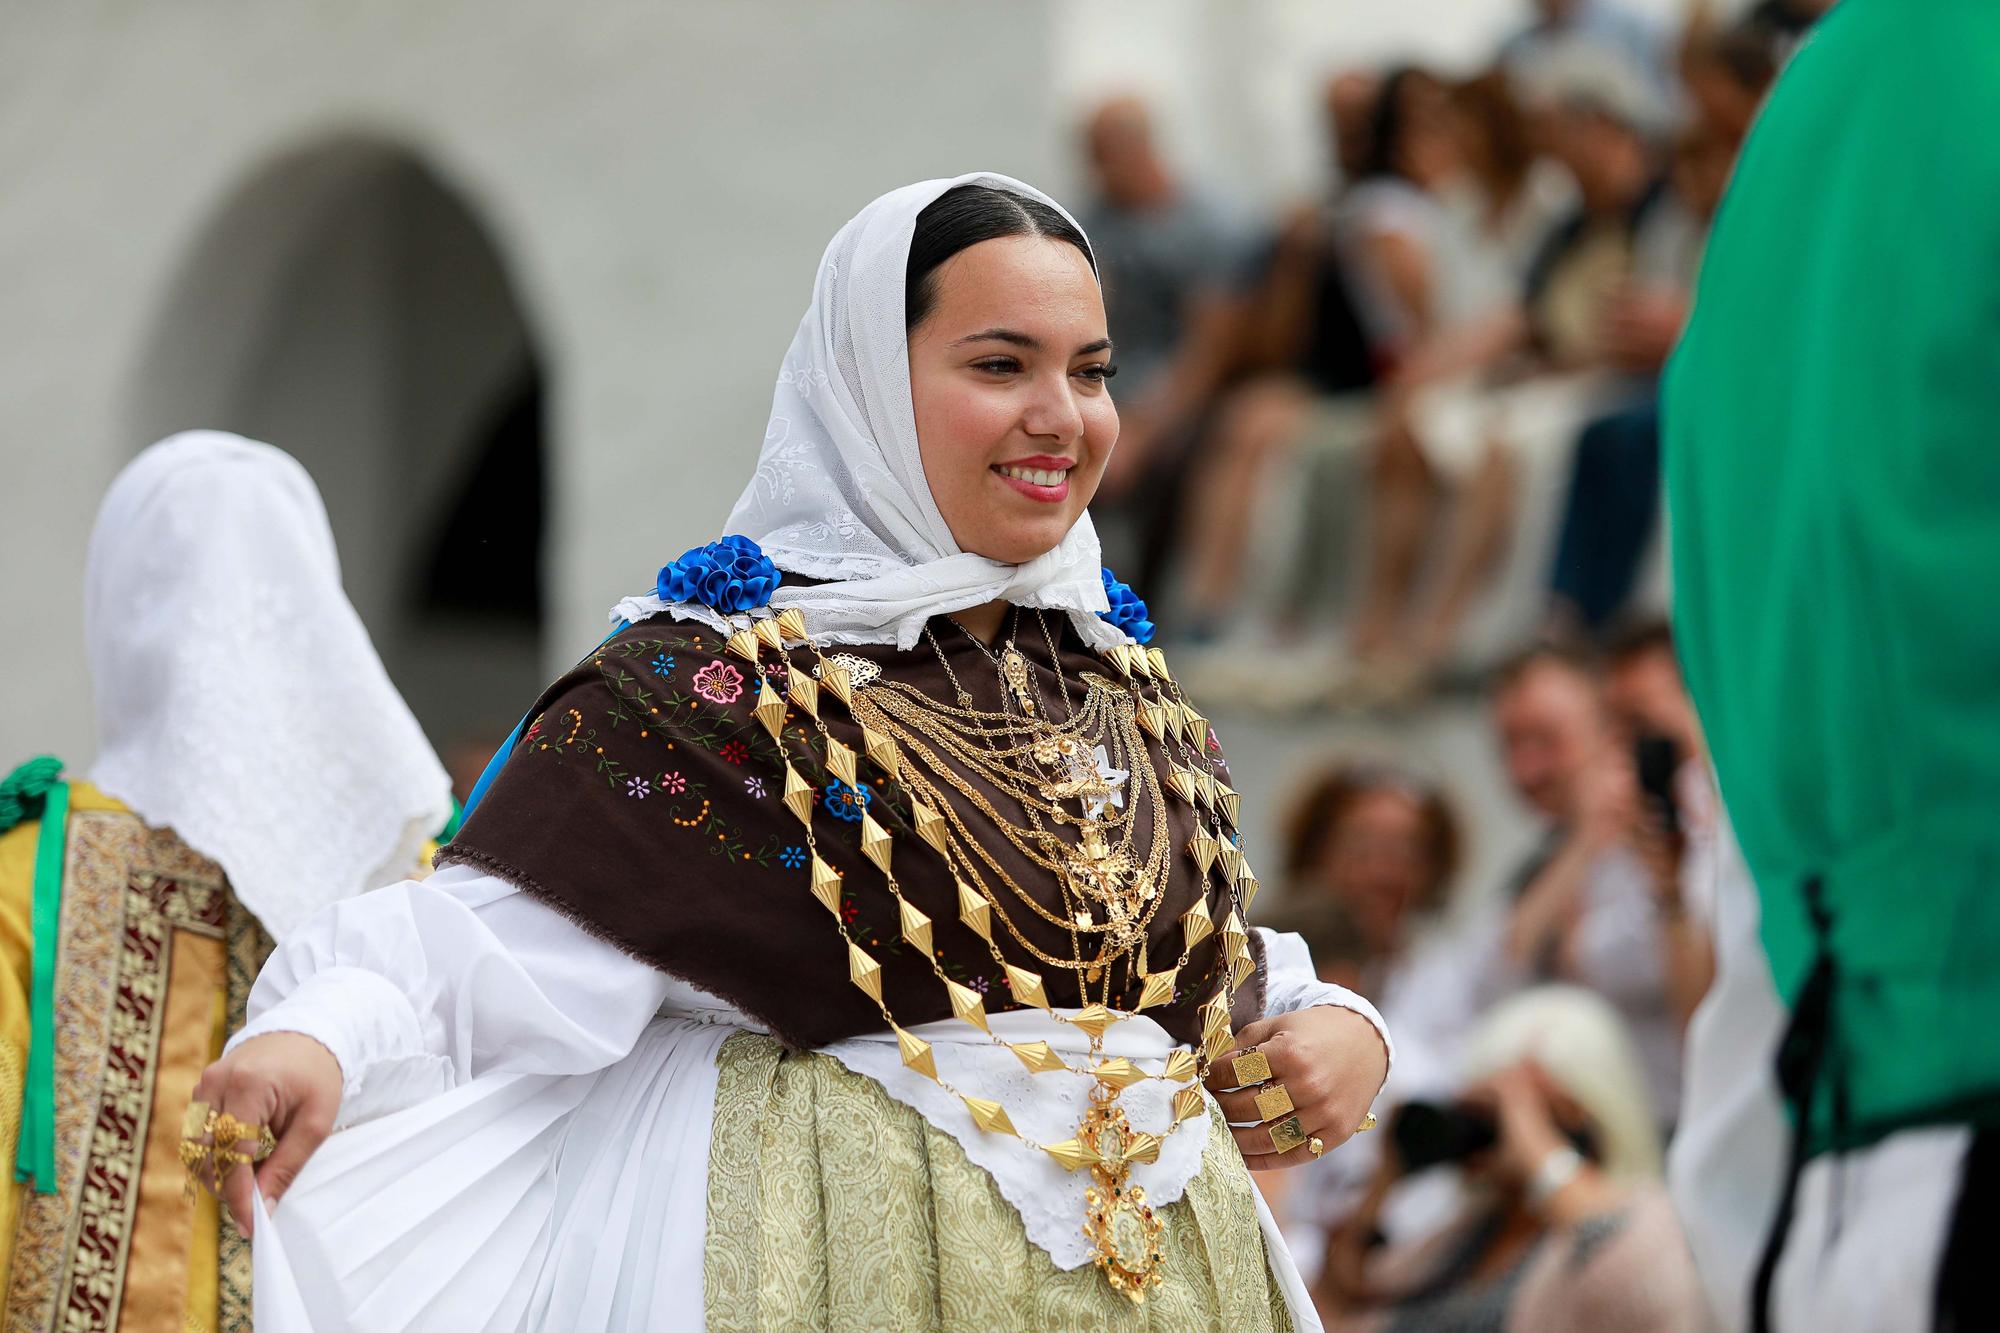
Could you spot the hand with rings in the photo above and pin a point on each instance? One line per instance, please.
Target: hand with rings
(1296, 1081)
(266, 1105)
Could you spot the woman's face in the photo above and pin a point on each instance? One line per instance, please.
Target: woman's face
(1378, 864)
(1007, 374)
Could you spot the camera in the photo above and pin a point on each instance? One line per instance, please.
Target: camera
(1428, 1134)
(1656, 760)
(1431, 1134)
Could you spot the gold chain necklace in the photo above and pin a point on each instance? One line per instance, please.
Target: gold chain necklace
(1121, 1225)
(1094, 871)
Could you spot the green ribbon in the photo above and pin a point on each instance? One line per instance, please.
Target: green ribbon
(35, 1152)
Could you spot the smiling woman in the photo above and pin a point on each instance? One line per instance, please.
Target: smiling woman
(1014, 418)
(727, 984)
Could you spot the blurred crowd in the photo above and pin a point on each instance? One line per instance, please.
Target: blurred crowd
(1421, 414)
(1556, 1015)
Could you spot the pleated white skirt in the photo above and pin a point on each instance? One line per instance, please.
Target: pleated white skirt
(512, 1202)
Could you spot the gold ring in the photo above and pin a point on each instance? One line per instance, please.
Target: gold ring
(1251, 1067)
(209, 1146)
(1368, 1122)
(1273, 1102)
(225, 1131)
(1315, 1145)
(1287, 1135)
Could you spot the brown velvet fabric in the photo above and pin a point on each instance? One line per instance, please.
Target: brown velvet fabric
(643, 804)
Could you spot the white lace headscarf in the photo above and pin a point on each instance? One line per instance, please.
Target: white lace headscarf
(239, 700)
(839, 493)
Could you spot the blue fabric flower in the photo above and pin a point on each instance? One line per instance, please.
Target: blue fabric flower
(729, 576)
(845, 802)
(1127, 611)
(792, 858)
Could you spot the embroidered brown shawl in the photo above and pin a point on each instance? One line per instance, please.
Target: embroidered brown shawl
(643, 803)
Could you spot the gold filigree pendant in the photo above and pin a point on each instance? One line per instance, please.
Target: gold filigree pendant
(1118, 1222)
(860, 671)
(1014, 668)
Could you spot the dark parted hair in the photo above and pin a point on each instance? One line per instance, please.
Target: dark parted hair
(961, 218)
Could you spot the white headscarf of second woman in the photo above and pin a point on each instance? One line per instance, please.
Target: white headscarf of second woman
(239, 699)
(839, 493)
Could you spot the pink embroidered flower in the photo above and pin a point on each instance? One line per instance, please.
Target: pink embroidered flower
(734, 753)
(673, 784)
(719, 682)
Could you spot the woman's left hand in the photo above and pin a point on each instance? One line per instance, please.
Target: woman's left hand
(1330, 1064)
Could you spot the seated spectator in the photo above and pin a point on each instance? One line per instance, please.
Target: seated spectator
(1349, 290)
(1382, 848)
(1369, 854)
(1475, 420)
(1603, 903)
(1175, 269)
(1610, 517)
(1564, 1222)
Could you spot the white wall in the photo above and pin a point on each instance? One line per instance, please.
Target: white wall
(659, 175)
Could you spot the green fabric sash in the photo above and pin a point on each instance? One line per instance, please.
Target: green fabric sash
(37, 782)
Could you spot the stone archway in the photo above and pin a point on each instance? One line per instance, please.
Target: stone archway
(349, 306)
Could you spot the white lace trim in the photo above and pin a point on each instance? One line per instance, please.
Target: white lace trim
(1047, 1108)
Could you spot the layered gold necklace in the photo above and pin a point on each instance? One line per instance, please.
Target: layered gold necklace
(1091, 771)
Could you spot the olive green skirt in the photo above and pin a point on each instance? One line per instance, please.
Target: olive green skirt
(833, 1206)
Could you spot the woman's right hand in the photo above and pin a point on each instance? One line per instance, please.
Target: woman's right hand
(286, 1082)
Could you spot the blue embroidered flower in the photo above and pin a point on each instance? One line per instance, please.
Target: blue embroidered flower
(845, 802)
(663, 664)
(729, 576)
(792, 858)
(1127, 611)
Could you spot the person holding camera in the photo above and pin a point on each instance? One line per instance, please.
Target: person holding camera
(1611, 900)
(1564, 1225)
(1682, 832)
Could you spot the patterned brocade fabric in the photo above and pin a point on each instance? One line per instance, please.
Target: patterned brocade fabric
(833, 1207)
(153, 970)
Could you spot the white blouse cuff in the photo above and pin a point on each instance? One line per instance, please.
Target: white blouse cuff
(1291, 983)
(372, 1030)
